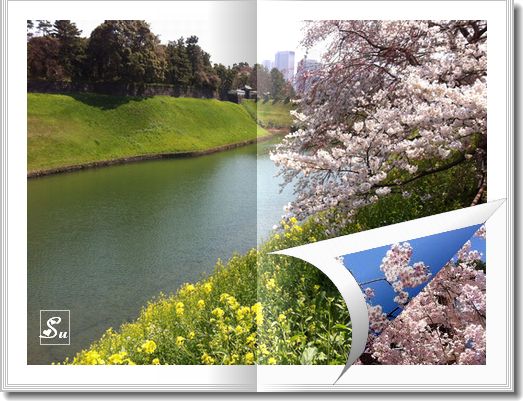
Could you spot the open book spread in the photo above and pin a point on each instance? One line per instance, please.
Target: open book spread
(257, 196)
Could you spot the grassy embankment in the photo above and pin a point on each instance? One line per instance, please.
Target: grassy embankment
(267, 309)
(69, 130)
(270, 115)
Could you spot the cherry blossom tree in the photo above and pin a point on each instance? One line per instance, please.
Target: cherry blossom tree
(443, 324)
(393, 102)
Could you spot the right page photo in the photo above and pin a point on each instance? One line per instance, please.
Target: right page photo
(389, 125)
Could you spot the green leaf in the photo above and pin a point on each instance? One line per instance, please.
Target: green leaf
(340, 326)
(308, 355)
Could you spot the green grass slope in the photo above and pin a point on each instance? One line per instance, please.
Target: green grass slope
(269, 114)
(65, 130)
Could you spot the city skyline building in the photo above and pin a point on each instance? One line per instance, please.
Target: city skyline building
(284, 61)
(305, 76)
(268, 64)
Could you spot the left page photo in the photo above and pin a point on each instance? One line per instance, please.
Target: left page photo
(140, 177)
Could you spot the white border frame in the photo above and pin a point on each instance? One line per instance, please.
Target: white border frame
(497, 375)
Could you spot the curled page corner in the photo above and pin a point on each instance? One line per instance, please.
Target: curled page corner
(324, 256)
(349, 290)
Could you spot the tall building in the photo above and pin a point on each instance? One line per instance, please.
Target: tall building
(267, 64)
(284, 61)
(310, 64)
(305, 74)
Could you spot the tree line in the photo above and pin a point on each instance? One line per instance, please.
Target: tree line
(129, 52)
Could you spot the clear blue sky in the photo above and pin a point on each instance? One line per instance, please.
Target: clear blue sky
(435, 251)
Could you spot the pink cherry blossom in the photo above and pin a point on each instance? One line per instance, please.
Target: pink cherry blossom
(444, 324)
(388, 96)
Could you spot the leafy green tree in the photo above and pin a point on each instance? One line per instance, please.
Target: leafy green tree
(263, 79)
(30, 27)
(203, 75)
(126, 51)
(288, 92)
(179, 68)
(43, 61)
(44, 27)
(277, 84)
(72, 47)
(253, 76)
(226, 76)
(242, 72)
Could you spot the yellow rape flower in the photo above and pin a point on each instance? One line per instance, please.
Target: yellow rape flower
(201, 304)
(257, 308)
(191, 335)
(271, 361)
(263, 349)
(179, 308)
(239, 330)
(149, 346)
(249, 358)
(207, 288)
(251, 340)
(282, 318)
(179, 341)
(117, 359)
(218, 312)
(156, 361)
(93, 358)
(231, 360)
(149, 312)
(297, 229)
(207, 359)
(187, 289)
(243, 312)
(233, 303)
(271, 284)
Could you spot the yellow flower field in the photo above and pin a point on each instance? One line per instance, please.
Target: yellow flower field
(256, 308)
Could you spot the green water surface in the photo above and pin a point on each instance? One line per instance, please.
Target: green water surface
(103, 242)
